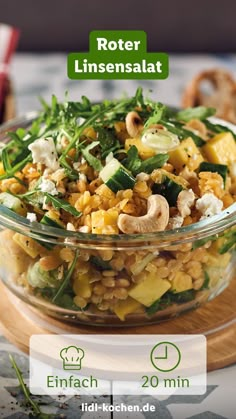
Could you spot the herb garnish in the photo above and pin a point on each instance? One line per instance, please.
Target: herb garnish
(133, 163)
(199, 112)
(66, 278)
(92, 160)
(59, 204)
(37, 412)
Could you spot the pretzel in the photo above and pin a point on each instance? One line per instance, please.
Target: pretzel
(222, 97)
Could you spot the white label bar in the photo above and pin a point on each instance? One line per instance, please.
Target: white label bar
(117, 364)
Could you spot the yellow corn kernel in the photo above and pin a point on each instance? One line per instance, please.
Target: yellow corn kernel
(31, 247)
(186, 154)
(143, 151)
(181, 282)
(221, 149)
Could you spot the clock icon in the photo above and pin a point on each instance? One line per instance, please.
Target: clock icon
(165, 356)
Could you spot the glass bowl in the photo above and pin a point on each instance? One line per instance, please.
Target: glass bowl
(110, 270)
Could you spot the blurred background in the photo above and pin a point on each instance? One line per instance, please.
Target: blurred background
(172, 26)
(197, 35)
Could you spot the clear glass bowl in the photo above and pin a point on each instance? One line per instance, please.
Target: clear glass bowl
(109, 267)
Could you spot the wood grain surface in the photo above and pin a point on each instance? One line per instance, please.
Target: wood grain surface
(216, 320)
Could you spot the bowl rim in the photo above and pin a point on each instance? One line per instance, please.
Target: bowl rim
(193, 232)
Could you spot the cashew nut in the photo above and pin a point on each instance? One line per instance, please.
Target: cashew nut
(185, 201)
(134, 124)
(156, 219)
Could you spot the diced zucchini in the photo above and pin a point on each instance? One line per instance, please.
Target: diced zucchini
(221, 149)
(149, 290)
(13, 203)
(170, 186)
(116, 176)
(187, 154)
(213, 167)
(124, 307)
(51, 219)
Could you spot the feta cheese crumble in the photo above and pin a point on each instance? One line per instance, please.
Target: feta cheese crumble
(209, 205)
(48, 186)
(31, 217)
(44, 151)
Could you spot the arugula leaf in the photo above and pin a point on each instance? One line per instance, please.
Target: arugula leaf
(108, 142)
(200, 112)
(15, 137)
(100, 264)
(79, 130)
(6, 161)
(229, 243)
(16, 168)
(66, 301)
(62, 204)
(139, 97)
(66, 279)
(156, 115)
(92, 160)
(206, 283)
(183, 297)
(159, 305)
(201, 242)
(169, 298)
(153, 163)
(132, 162)
(218, 128)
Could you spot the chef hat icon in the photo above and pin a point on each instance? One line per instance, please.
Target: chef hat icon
(72, 357)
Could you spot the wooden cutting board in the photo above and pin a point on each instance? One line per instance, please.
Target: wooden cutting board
(216, 320)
